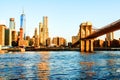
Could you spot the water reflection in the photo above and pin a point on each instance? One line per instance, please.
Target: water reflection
(87, 67)
(43, 66)
(58, 65)
(18, 66)
(24, 66)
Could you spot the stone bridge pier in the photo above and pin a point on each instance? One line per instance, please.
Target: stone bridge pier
(85, 30)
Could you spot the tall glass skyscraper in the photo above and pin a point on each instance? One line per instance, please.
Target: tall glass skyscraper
(23, 23)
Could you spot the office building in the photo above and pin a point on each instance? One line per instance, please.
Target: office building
(43, 31)
(28, 38)
(75, 39)
(21, 34)
(62, 41)
(14, 35)
(59, 41)
(98, 43)
(2, 35)
(110, 36)
(12, 24)
(32, 42)
(8, 37)
(48, 42)
(23, 24)
(36, 38)
(55, 41)
(23, 43)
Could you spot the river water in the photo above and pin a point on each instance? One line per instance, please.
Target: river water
(60, 65)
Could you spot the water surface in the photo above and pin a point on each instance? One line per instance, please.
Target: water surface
(60, 65)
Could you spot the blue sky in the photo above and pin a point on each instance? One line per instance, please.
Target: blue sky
(64, 16)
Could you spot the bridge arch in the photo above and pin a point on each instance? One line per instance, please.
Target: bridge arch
(85, 30)
(94, 33)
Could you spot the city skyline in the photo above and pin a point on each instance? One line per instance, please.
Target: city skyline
(64, 16)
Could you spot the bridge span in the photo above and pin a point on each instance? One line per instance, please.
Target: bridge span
(87, 35)
(106, 29)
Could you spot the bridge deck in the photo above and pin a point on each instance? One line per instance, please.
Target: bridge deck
(106, 29)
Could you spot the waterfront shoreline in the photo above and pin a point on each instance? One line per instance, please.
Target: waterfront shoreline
(52, 49)
(70, 49)
(55, 49)
(106, 49)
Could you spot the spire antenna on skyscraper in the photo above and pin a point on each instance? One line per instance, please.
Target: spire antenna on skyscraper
(23, 23)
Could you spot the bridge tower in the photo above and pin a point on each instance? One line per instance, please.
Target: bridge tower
(85, 30)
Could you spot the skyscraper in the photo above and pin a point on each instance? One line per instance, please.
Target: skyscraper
(8, 37)
(14, 35)
(23, 23)
(2, 35)
(12, 24)
(21, 33)
(43, 31)
(36, 38)
(110, 36)
(40, 33)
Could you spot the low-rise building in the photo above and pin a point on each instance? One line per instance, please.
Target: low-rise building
(48, 42)
(98, 43)
(23, 43)
(59, 41)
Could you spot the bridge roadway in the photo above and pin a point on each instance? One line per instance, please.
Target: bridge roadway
(106, 29)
